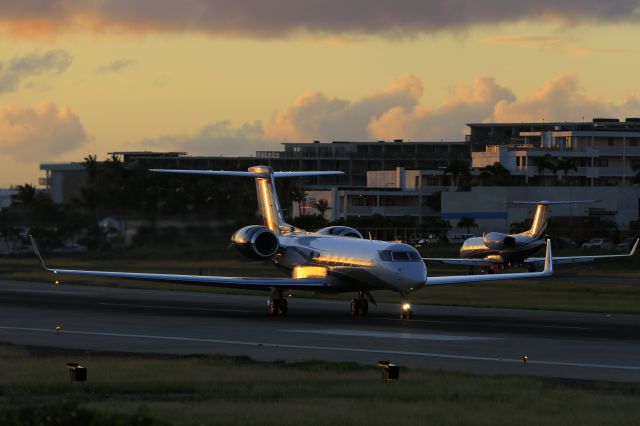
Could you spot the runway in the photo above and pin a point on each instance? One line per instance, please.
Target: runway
(558, 344)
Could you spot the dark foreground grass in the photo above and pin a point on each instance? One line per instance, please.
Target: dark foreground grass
(220, 390)
(563, 292)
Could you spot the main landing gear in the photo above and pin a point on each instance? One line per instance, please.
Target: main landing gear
(405, 308)
(360, 306)
(277, 304)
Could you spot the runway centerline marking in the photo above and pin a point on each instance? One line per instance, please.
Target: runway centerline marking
(327, 348)
(394, 335)
(173, 307)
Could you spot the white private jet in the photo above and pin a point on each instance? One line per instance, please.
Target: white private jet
(496, 250)
(333, 259)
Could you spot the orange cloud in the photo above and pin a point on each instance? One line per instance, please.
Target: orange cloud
(562, 99)
(39, 132)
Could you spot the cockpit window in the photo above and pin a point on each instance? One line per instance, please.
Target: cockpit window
(385, 255)
(399, 256)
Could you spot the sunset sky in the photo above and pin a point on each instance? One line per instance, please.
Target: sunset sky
(225, 77)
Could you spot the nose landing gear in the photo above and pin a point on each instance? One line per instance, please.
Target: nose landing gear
(405, 308)
(360, 306)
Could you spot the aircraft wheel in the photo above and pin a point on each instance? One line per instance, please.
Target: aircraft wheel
(282, 307)
(406, 314)
(272, 307)
(355, 307)
(364, 307)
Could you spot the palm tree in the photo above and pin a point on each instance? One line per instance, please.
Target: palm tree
(91, 166)
(467, 222)
(496, 174)
(542, 163)
(25, 196)
(566, 164)
(322, 206)
(298, 195)
(457, 169)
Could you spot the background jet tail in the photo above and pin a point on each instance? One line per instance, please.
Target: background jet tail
(539, 224)
(265, 187)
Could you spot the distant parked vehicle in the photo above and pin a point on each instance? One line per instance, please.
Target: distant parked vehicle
(430, 239)
(598, 243)
(626, 244)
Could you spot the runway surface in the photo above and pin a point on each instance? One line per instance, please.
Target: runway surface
(559, 344)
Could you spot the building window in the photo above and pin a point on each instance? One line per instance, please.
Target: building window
(635, 164)
(602, 162)
(633, 142)
(610, 141)
(517, 161)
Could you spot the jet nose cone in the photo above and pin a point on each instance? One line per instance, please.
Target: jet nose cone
(413, 274)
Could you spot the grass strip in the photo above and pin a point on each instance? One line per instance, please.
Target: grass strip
(215, 389)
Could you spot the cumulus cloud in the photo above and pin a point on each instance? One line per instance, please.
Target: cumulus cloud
(40, 132)
(466, 102)
(277, 18)
(116, 66)
(562, 99)
(51, 62)
(219, 138)
(316, 116)
(399, 112)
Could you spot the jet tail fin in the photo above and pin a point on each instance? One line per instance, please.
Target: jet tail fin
(539, 224)
(265, 187)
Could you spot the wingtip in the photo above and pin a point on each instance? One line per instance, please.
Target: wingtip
(37, 252)
(548, 260)
(635, 246)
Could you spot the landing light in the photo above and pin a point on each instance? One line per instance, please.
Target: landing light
(300, 272)
(406, 307)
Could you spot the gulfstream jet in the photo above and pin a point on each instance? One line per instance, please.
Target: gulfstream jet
(496, 250)
(333, 259)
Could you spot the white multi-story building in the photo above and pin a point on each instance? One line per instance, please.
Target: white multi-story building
(604, 152)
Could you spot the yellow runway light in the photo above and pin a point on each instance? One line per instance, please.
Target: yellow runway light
(58, 328)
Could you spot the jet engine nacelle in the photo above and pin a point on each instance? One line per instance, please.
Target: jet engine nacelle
(255, 241)
(498, 241)
(341, 231)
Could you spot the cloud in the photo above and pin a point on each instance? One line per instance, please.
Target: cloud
(466, 102)
(116, 66)
(279, 18)
(316, 116)
(562, 99)
(40, 132)
(397, 112)
(51, 62)
(219, 138)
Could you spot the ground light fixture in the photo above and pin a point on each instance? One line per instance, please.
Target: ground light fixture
(77, 373)
(390, 371)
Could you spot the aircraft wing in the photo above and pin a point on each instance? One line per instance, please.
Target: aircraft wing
(237, 282)
(582, 259)
(459, 261)
(461, 279)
